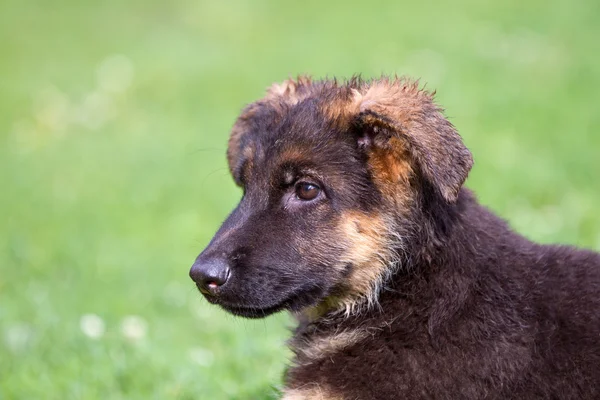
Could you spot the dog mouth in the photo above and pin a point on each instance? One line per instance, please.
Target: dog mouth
(254, 312)
(295, 301)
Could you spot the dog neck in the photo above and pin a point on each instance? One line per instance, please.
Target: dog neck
(430, 287)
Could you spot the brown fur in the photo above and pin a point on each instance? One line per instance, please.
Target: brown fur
(368, 248)
(391, 169)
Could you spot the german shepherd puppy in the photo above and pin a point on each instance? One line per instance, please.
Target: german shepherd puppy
(354, 218)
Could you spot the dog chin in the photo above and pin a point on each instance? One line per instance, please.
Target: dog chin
(293, 302)
(252, 312)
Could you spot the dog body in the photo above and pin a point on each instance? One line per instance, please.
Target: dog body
(492, 316)
(354, 218)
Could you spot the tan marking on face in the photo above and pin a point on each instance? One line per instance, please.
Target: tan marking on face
(370, 248)
(366, 251)
(312, 392)
(293, 154)
(363, 233)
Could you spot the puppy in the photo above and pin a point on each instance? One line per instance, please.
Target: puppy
(354, 218)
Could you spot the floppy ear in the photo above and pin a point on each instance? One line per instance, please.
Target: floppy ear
(288, 92)
(397, 109)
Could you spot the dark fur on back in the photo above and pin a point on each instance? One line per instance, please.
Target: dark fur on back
(404, 286)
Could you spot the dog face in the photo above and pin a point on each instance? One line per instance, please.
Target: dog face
(331, 176)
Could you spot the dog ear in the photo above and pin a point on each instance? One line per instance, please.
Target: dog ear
(288, 92)
(397, 109)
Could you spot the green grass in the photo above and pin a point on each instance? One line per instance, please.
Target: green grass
(114, 118)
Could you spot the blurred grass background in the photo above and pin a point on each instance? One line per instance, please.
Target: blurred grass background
(114, 117)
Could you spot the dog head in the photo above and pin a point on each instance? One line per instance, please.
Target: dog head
(332, 177)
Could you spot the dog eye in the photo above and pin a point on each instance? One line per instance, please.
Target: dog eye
(307, 191)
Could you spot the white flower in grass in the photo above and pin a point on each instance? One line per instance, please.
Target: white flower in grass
(92, 326)
(201, 356)
(18, 337)
(134, 327)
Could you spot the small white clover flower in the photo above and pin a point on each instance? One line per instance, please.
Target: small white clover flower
(18, 337)
(92, 326)
(134, 327)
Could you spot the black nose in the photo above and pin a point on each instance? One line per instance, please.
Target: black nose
(210, 274)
